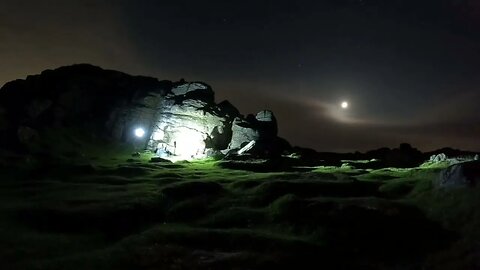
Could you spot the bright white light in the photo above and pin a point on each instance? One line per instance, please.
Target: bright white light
(158, 135)
(344, 105)
(139, 132)
(189, 144)
(246, 147)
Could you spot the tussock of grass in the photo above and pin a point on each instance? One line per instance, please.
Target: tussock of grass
(246, 184)
(397, 188)
(225, 239)
(185, 190)
(338, 170)
(271, 190)
(236, 217)
(189, 209)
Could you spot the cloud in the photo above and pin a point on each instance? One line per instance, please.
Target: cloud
(318, 123)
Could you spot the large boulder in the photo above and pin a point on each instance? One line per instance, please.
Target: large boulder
(266, 123)
(261, 128)
(193, 90)
(259, 133)
(438, 158)
(243, 132)
(141, 112)
(187, 127)
(184, 88)
(466, 174)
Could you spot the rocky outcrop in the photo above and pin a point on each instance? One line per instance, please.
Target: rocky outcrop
(438, 158)
(189, 123)
(466, 174)
(104, 102)
(443, 158)
(178, 119)
(267, 124)
(243, 132)
(262, 130)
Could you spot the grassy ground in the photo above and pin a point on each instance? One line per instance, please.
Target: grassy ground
(111, 211)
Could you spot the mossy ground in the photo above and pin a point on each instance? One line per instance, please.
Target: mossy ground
(106, 210)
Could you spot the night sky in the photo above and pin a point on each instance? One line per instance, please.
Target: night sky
(410, 69)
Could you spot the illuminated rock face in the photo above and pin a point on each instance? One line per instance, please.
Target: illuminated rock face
(243, 132)
(262, 129)
(189, 123)
(124, 120)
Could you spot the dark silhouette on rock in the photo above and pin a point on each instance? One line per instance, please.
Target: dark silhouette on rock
(82, 96)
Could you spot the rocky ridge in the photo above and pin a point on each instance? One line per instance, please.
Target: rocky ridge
(179, 118)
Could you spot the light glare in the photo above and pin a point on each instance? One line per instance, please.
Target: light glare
(189, 144)
(139, 132)
(158, 135)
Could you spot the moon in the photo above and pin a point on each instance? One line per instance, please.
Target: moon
(344, 105)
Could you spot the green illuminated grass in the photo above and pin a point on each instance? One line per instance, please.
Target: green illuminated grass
(108, 210)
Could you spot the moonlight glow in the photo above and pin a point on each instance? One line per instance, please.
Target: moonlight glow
(139, 132)
(344, 105)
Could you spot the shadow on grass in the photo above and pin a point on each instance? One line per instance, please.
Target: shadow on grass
(114, 223)
(365, 229)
